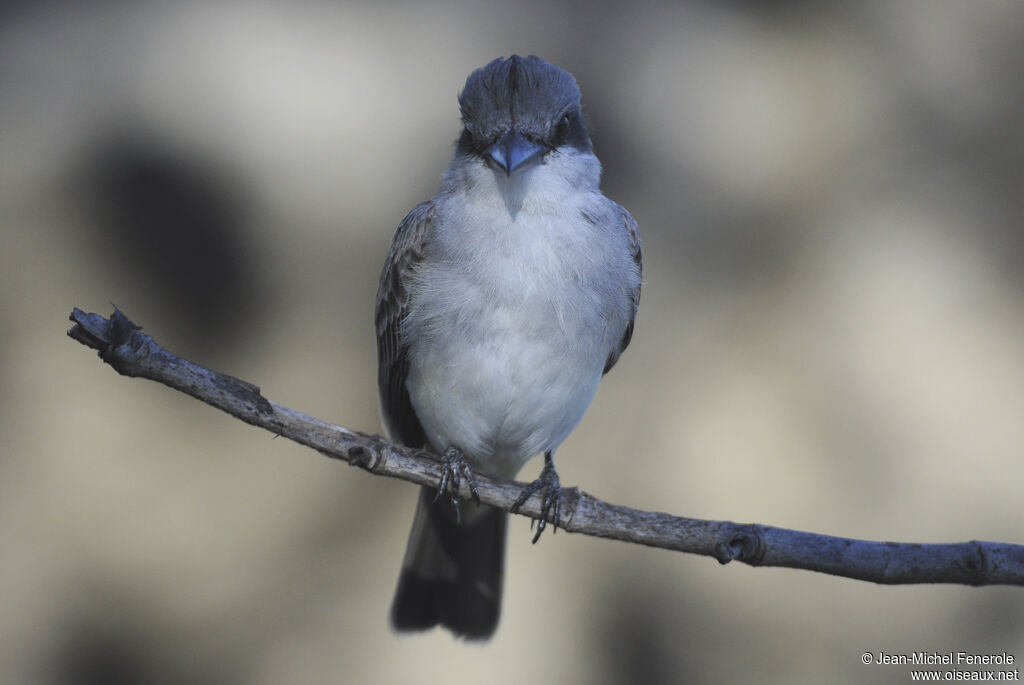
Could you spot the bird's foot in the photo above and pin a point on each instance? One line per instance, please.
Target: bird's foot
(551, 497)
(455, 468)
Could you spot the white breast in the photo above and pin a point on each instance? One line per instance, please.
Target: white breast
(512, 318)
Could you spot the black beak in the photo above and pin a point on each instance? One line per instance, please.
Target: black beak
(513, 150)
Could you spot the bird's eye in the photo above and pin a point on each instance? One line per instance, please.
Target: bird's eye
(562, 129)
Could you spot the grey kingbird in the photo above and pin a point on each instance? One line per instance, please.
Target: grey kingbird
(503, 301)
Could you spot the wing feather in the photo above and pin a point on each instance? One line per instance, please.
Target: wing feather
(629, 224)
(400, 420)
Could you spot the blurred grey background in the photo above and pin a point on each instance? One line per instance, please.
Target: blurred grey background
(829, 337)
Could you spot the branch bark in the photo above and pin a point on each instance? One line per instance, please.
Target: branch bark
(132, 353)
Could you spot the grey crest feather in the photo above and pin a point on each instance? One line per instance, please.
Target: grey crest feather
(525, 92)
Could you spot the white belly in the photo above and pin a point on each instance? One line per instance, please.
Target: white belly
(511, 384)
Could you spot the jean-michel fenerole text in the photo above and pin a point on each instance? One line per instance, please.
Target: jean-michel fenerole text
(945, 658)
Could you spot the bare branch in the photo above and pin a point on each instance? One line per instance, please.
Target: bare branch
(132, 353)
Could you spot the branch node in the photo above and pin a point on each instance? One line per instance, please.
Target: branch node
(243, 391)
(125, 345)
(976, 563)
(363, 457)
(740, 542)
(570, 502)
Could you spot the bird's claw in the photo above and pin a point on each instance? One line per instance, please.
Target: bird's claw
(454, 468)
(551, 502)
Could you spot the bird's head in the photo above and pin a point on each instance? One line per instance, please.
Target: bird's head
(517, 111)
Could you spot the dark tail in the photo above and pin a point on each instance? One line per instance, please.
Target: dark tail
(452, 572)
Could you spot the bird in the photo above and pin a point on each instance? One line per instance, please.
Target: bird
(503, 301)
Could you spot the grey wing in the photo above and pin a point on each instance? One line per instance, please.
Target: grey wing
(634, 295)
(400, 420)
